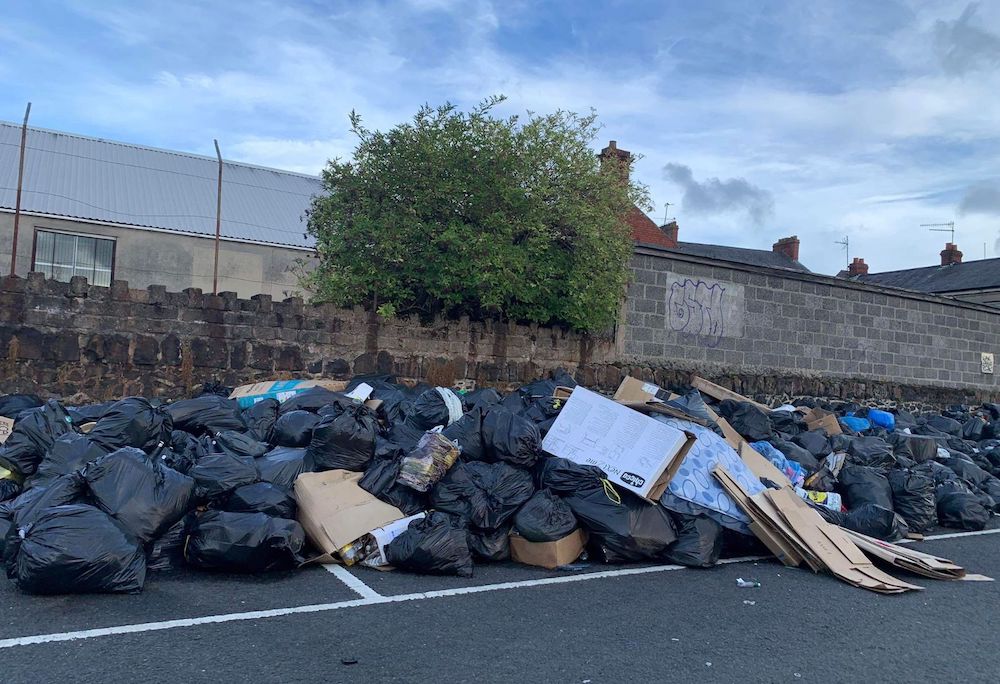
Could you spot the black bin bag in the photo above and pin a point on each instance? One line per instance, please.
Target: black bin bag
(484, 495)
(913, 499)
(344, 438)
(511, 438)
(132, 422)
(467, 432)
(959, 508)
(9, 489)
(545, 518)
(69, 452)
(206, 415)
(260, 418)
(243, 542)
(622, 526)
(294, 429)
(699, 541)
(74, 549)
(34, 432)
(379, 480)
(311, 400)
(261, 497)
(166, 552)
(748, 420)
(490, 545)
(240, 444)
(12, 404)
(281, 466)
(437, 544)
(219, 473)
(876, 521)
(861, 484)
(431, 409)
(143, 495)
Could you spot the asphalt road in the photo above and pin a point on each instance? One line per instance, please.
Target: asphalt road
(678, 625)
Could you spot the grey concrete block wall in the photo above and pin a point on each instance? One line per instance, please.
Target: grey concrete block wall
(686, 312)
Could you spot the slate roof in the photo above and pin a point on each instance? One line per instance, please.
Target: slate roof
(971, 275)
(741, 255)
(74, 176)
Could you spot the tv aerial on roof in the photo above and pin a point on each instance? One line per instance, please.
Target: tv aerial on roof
(948, 227)
(846, 244)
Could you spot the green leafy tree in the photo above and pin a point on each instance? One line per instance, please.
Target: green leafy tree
(472, 213)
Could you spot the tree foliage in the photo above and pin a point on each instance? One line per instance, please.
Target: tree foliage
(472, 213)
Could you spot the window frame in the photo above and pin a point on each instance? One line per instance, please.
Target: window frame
(79, 234)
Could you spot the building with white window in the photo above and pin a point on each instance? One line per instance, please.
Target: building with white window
(108, 210)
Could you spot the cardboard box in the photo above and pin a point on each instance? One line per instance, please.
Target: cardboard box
(633, 390)
(637, 452)
(818, 419)
(549, 555)
(248, 395)
(6, 427)
(334, 511)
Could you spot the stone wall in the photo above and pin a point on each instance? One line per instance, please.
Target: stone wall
(763, 329)
(765, 333)
(106, 342)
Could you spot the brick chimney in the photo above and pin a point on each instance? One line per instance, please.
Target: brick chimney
(670, 229)
(950, 255)
(611, 156)
(858, 267)
(789, 246)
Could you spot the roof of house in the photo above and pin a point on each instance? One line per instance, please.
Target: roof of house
(645, 231)
(970, 275)
(741, 255)
(74, 176)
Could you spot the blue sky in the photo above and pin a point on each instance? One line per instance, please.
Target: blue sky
(821, 119)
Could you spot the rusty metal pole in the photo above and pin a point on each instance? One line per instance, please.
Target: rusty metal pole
(20, 183)
(218, 222)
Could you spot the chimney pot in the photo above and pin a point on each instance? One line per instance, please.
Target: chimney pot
(789, 246)
(858, 267)
(670, 229)
(950, 254)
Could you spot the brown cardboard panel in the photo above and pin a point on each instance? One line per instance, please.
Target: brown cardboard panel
(908, 559)
(761, 467)
(334, 511)
(721, 393)
(549, 555)
(818, 419)
(633, 390)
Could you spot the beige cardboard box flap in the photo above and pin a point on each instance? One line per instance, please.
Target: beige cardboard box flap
(549, 555)
(334, 511)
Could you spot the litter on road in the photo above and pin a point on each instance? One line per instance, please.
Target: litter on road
(380, 474)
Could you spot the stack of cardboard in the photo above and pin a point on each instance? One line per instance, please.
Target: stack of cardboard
(795, 533)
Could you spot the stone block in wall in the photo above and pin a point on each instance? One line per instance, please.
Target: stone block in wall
(209, 353)
(170, 350)
(288, 359)
(239, 352)
(261, 357)
(146, 351)
(107, 349)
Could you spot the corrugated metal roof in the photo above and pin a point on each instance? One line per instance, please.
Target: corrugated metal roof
(110, 182)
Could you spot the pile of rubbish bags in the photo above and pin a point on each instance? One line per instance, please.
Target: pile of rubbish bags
(93, 498)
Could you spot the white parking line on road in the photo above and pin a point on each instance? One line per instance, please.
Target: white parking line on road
(371, 597)
(950, 535)
(323, 607)
(356, 585)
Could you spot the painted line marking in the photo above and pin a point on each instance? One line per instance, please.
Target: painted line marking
(950, 535)
(348, 578)
(376, 599)
(324, 607)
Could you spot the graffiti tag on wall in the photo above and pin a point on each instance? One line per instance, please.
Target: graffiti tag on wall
(696, 307)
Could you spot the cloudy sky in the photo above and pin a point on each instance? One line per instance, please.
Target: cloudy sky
(821, 119)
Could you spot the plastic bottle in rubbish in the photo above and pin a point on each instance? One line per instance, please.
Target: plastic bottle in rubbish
(744, 584)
